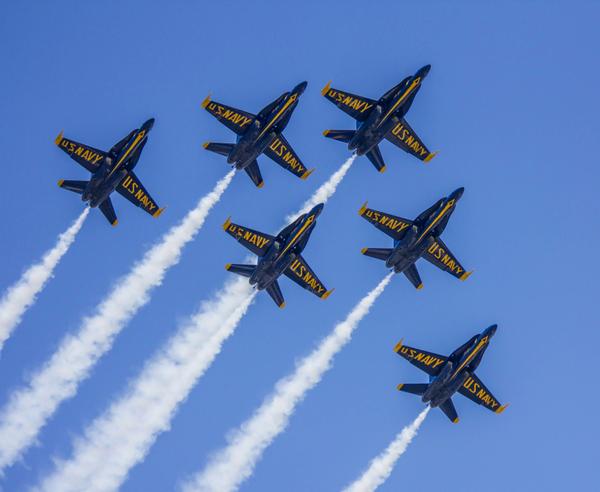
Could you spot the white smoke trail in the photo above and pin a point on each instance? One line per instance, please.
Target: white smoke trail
(30, 407)
(23, 294)
(381, 467)
(119, 438)
(233, 464)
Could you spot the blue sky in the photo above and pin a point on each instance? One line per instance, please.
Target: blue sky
(511, 104)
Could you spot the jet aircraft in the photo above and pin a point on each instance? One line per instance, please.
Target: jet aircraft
(112, 170)
(417, 238)
(279, 254)
(257, 134)
(447, 375)
(376, 120)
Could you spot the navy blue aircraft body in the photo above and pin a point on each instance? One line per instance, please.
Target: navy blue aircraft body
(258, 134)
(111, 171)
(447, 375)
(278, 255)
(417, 238)
(376, 120)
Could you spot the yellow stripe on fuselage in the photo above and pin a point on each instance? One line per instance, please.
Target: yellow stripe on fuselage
(139, 137)
(287, 104)
(471, 355)
(414, 84)
(308, 222)
(448, 206)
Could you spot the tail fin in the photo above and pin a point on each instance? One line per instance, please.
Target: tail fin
(275, 293)
(376, 159)
(378, 253)
(243, 270)
(339, 135)
(107, 209)
(448, 408)
(412, 274)
(218, 148)
(74, 186)
(415, 389)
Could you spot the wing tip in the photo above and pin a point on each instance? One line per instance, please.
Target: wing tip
(59, 138)
(325, 89)
(326, 132)
(227, 223)
(228, 266)
(114, 223)
(363, 209)
(430, 156)
(205, 145)
(205, 101)
(502, 408)
(420, 286)
(261, 184)
(466, 275)
(363, 250)
(382, 170)
(282, 305)
(456, 420)
(307, 173)
(327, 294)
(400, 386)
(60, 182)
(159, 212)
(398, 346)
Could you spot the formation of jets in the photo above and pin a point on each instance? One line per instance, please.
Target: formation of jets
(282, 253)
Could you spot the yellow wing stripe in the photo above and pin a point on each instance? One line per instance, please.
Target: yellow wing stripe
(139, 136)
(413, 84)
(308, 222)
(437, 219)
(292, 98)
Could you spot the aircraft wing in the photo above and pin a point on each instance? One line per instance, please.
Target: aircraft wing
(302, 274)
(234, 119)
(358, 107)
(439, 255)
(392, 225)
(255, 241)
(132, 189)
(405, 137)
(426, 361)
(282, 153)
(86, 156)
(476, 391)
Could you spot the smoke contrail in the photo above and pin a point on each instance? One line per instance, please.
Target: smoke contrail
(30, 407)
(381, 467)
(119, 438)
(22, 295)
(233, 464)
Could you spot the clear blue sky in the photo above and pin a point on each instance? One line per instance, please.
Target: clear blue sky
(512, 105)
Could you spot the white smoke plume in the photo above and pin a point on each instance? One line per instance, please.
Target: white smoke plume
(119, 438)
(22, 295)
(233, 464)
(381, 467)
(29, 407)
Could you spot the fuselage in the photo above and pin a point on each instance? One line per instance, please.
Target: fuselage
(263, 130)
(286, 247)
(421, 235)
(387, 113)
(458, 368)
(121, 159)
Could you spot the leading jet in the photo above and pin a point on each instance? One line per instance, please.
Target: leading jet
(447, 375)
(258, 134)
(384, 118)
(111, 171)
(279, 254)
(417, 238)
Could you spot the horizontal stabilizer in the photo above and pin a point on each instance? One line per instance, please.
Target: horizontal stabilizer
(376, 159)
(107, 209)
(243, 270)
(218, 148)
(339, 135)
(74, 186)
(415, 389)
(275, 293)
(378, 253)
(253, 171)
(412, 274)
(448, 408)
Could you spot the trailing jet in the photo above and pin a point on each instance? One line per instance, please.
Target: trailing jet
(112, 170)
(417, 238)
(257, 134)
(376, 120)
(447, 375)
(279, 254)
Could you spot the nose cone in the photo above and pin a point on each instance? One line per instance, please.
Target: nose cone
(148, 125)
(456, 194)
(318, 209)
(300, 88)
(423, 71)
(491, 331)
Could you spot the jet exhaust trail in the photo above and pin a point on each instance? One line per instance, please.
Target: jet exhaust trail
(381, 467)
(235, 463)
(31, 406)
(22, 295)
(118, 439)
